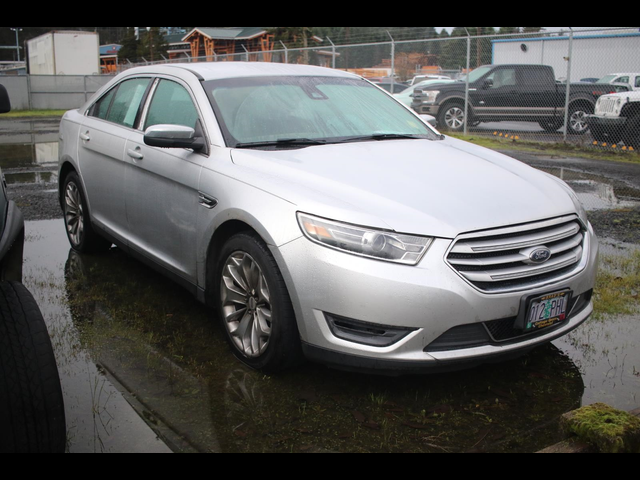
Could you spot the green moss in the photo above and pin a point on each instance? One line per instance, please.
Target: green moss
(607, 429)
(552, 149)
(33, 113)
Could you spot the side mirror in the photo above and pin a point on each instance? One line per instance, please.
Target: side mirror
(5, 103)
(488, 83)
(173, 136)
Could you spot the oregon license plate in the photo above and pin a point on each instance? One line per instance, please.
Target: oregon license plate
(545, 312)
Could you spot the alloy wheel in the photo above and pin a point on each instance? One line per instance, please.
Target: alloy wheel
(246, 305)
(578, 121)
(454, 118)
(74, 213)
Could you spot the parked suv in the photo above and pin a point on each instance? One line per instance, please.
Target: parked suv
(32, 418)
(617, 119)
(512, 93)
(323, 219)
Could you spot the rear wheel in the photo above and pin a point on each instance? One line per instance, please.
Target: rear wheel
(77, 220)
(32, 417)
(578, 114)
(254, 305)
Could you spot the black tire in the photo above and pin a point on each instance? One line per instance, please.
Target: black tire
(551, 126)
(84, 240)
(578, 118)
(32, 418)
(283, 348)
(451, 117)
(631, 135)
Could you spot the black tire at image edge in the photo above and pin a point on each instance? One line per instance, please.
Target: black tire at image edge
(32, 416)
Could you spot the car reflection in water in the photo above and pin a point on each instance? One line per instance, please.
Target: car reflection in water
(167, 352)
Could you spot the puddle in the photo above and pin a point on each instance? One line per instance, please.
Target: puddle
(124, 332)
(597, 192)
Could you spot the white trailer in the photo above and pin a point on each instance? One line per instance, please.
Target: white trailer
(594, 55)
(65, 53)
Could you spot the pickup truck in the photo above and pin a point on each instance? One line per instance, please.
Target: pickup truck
(512, 93)
(617, 119)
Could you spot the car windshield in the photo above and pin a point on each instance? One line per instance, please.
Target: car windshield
(478, 73)
(608, 79)
(312, 110)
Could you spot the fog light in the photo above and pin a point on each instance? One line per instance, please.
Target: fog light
(364, 333)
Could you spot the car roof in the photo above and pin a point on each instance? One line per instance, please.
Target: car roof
(221, 70)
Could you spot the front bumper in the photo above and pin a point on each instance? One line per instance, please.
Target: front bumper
(429, 300)
(426, 109)
(606, 123)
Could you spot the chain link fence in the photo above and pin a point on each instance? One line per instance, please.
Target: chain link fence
(516, 99)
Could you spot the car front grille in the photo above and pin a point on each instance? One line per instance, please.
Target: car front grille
(606, 105)
(504, 260)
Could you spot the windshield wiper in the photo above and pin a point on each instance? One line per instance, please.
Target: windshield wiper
(384, 136)
(285, 142)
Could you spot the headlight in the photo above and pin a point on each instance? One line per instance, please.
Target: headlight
(365, 242)
(430, 96)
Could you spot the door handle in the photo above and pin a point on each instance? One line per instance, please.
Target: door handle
(135, 154)
(85, 137)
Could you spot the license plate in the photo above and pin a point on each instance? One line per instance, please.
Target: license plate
(548, 311)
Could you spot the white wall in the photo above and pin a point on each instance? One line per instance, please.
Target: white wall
(77, 53)
(593, 57)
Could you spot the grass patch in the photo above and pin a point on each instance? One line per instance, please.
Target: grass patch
(33, 113)
(618, 285)
(553, 149)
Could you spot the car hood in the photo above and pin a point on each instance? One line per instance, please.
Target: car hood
(435, 188)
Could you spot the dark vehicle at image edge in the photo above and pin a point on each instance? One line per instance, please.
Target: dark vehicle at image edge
(32, 417)
(512, 93)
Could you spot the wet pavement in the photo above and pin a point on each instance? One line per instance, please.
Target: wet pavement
(145, 368)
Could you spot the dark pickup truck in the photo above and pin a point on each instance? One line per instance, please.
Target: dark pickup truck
(500, 93)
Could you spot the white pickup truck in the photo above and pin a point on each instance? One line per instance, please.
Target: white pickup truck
(617, 119)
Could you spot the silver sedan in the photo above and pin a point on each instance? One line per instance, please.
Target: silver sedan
(323, 219)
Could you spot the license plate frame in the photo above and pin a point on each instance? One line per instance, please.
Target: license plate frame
(543, 312)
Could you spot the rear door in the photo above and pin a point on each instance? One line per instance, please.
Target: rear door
(162, 183)
(537, 93)
(101, 147)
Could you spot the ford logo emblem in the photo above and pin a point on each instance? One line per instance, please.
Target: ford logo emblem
(540, 255)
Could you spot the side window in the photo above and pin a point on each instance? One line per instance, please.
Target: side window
(622, 80)
(504, 77)
(638, 82)
(126, 103)
(171, 105)
(101, 108)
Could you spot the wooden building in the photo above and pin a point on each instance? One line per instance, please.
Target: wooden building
(211, 41)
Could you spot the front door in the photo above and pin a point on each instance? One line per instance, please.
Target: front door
(162, 185)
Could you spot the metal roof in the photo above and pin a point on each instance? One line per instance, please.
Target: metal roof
(229, 33)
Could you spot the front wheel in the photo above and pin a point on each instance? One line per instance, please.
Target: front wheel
(451, 117)
(631, 134)
(254, 306)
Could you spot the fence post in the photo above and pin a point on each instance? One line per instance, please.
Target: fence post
(333, 53)
(29, 92)
(566, 106)
(286, 52)
(85, 89)
(466, 93)
(393, 63)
